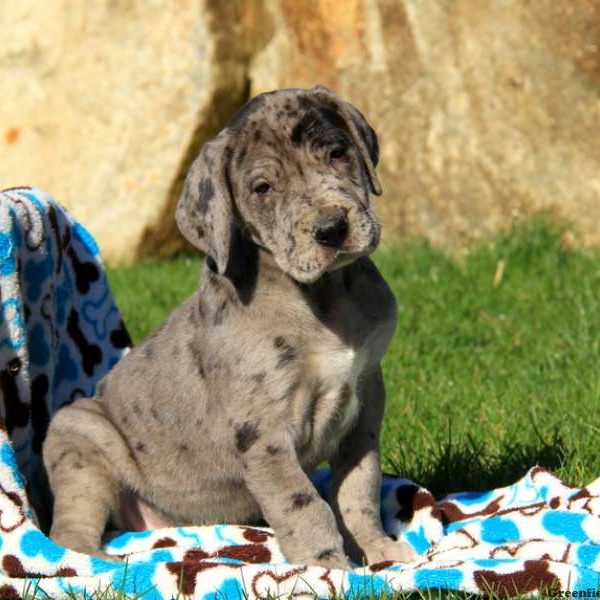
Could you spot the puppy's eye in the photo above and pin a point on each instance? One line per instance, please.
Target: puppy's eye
(262, 188)
(338, 152)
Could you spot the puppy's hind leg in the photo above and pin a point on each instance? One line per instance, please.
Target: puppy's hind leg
(79, 453)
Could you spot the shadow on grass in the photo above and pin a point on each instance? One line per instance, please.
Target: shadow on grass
(470, 465)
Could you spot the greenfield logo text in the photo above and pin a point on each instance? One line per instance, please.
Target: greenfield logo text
(589, 593)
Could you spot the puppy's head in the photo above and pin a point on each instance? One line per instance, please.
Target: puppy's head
(294, 171)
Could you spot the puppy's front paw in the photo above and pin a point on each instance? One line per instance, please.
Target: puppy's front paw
(387, 549)
(81, 543)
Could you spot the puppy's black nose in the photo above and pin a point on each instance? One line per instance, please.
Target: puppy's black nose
(332, 228)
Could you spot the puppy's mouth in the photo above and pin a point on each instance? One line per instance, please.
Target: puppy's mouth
(347, 254)
(343, 259)
(312, 259)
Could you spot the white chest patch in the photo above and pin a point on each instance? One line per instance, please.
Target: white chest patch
(338, 367)
(337, 405)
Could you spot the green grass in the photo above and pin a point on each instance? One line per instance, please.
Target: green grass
(486, 380)
(486, 376)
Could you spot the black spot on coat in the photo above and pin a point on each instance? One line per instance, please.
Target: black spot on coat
(328, 553)
(246, 435)
(206, 192)
(317, 121)
(301, 500)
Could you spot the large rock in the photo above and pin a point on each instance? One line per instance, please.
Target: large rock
(486, 110)
(104, 103)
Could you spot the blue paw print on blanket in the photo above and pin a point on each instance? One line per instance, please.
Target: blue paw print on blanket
(35, 543)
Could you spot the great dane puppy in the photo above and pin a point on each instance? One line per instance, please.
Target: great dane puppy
(270, 368)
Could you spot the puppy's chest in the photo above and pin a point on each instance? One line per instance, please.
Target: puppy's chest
(328, 405)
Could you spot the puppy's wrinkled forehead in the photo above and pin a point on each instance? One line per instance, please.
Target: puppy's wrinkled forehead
(287, 119)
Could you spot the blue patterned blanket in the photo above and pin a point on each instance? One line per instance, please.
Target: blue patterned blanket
(60, 332)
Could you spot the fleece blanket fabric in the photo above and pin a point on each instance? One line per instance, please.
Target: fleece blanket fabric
(60, 332)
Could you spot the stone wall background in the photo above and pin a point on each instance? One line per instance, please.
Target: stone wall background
(485, 110)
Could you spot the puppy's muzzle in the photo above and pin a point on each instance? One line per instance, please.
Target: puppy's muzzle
(331, 229)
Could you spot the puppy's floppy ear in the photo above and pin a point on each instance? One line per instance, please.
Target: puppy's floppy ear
(366, 132)
(363, 135)
(205, 209)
